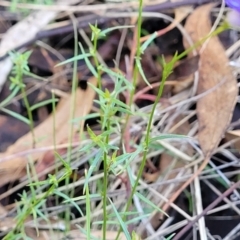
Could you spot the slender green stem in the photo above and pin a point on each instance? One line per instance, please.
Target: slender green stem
(88, 211)
(54, 119)
(27, 105)
(104, 195)
(105, 185)
(54, 135)
(105, 155)
(105, 176)
(135, 72)
(135, 75)
(146, 142)
(147, 137)
(74, 86)
(96, 62)
(138, 53)
(72, 112)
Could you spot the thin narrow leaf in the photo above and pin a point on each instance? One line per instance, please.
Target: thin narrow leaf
(122, 224)
(142, 72)
(168, 136)
(16, 115)
(144, 199)
(119, 103)
(34, 76)
(77, 58)
(84, 232)
(99, 91)
(92, 167)
(104, 32)
(130, 175)
(43, 103)
(88, 209)
(88, 63)
(92, 196)
(137, 219)
(69, 200)
(170, 237)
(66, 165)
(124, 214)
(146, 43)
(108, 222)
(117, 75)
(10, 97)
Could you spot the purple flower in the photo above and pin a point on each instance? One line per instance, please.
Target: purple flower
(234, 4)
(233, 17)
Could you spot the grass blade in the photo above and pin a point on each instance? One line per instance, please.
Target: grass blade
(122, 224)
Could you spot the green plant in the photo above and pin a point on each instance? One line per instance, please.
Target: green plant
(110, 124)
(114, 156)
(19, 69)
(30, 205)
(14, 3)
(110, 104)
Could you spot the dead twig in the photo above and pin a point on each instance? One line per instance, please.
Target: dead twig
(211, 206)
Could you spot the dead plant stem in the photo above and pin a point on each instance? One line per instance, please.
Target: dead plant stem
(205, 211)
(179, 191)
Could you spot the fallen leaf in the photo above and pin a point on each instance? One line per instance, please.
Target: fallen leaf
(234, 135)
(215, 109)
(13, 105)
(44, 134)
(11, 129)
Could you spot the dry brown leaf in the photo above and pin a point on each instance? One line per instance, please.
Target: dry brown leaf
(11, 129)
(45, 135)
(234, 135)
(215, 109)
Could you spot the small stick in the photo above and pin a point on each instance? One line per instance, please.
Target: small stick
(179, 191)
(204, 212)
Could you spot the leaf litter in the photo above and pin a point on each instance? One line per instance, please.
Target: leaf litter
(199, 102)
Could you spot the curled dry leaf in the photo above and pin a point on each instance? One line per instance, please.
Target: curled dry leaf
(214, 110)
(44, 133)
